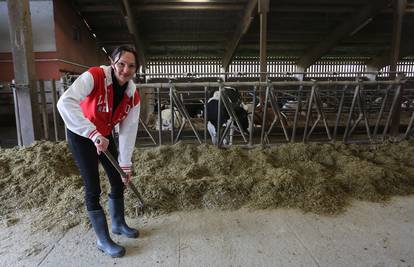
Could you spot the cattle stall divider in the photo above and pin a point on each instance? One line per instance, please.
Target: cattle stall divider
(340, 107)
(348, 111)
(47, 93)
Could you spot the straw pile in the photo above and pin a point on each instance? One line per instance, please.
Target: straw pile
(319, 178)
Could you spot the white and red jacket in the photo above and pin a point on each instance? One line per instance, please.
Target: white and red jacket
(86, 108)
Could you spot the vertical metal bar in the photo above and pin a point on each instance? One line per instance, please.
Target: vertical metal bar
(356, 93)
(179, 132)
(17, 116)
(43, 105)
(54, 110)
(275, 107)
(395, 120)
(219, 114)
(338, 115)
(226, 131)
(62, 89)
(392, 110)
(409, 127)
(251, 125)
(361, 101)
(147, 130)
(264, 115)
(205, 113)
(381, 113)
(232, 114)
(295, 119)
(181, 108)
(172, 115)
(159, 117)
(308, 114)
(357, 121)
(321, 113)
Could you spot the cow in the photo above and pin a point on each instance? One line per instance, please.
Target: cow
(236, 104)
(166, 119)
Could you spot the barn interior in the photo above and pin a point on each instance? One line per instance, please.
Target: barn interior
(312, 165)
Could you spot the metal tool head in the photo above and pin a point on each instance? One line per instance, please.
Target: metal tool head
(139, 209)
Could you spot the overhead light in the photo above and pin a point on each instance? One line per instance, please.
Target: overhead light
(103, 49)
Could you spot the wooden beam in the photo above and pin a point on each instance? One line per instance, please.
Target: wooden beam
(24, 70)
(348, 27)
(247, 18)
(132, 28)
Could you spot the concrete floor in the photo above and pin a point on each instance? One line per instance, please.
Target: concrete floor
(368, 234)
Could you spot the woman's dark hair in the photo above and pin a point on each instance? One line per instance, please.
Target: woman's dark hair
(122, 49)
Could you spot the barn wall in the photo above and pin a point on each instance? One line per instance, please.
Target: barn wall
(61, 41)
(75, 46)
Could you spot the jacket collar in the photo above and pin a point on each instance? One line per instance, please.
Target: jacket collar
(131, 85)
(107, 70)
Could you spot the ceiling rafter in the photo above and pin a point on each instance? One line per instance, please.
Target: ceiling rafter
(355, 23)
(133, 30)
(294, 27)
(249, 13)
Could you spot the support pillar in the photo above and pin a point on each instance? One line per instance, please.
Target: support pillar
(399, 8)
(24, 70)
(263, 9)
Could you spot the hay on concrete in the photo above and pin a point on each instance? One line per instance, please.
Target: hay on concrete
(319, 178)
(42, 177)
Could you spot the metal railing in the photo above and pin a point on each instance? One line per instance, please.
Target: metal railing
(285, 111)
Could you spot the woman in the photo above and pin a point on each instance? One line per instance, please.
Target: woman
(99, 99)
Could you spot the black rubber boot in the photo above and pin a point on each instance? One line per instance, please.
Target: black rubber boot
(103, 240)
(119, 226)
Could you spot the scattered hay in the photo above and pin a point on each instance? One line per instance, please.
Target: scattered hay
(319, 178)
(42, 177)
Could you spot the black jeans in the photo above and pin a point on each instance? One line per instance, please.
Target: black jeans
(86, 158)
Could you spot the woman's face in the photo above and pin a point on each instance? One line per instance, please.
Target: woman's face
(125, 67)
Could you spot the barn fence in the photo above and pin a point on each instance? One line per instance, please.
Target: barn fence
(299, 111)
(48, 92)
(324, 109)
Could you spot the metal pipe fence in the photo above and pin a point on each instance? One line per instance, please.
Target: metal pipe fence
(346, 111)
(324, 111)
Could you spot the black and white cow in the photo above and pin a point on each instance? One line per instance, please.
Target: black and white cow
(212, 112)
